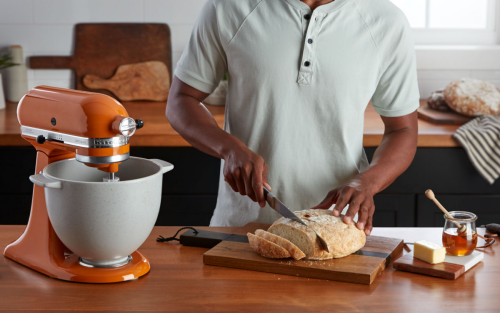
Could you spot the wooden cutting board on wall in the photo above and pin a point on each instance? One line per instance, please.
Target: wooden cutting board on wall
(101, 48)
(361, 267)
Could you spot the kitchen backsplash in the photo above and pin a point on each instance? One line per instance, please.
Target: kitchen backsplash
(45, 27)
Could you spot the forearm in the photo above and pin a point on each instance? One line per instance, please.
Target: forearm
(393, 156)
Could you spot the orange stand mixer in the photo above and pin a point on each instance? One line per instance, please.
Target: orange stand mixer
(94, 129)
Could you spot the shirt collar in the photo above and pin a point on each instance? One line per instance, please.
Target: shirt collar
(325, 8)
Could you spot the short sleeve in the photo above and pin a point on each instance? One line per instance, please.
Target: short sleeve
(397, 91)
(203, 62)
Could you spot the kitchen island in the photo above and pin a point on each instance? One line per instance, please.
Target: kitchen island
(190, 190)
(178, 281)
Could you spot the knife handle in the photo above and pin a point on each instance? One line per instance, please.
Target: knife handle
(269, 200)
(266, 192)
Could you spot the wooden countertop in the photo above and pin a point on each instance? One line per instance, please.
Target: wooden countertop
(158, 132)
(179, 281)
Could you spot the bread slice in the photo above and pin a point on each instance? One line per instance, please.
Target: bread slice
(294, 251)
(342, 239)
(266, 248)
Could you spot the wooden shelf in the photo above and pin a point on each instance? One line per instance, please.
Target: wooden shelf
(159, 133)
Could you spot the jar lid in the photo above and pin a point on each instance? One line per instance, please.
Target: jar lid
(461, 216)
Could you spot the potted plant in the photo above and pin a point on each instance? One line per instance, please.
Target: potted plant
(218, 97)
(5, 62)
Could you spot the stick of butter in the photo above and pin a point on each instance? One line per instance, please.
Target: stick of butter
(429, 252)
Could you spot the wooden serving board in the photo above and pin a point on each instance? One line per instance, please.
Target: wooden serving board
(101, 48)
(139, 81)
(361, 267)
(452, 267)
(442, 117)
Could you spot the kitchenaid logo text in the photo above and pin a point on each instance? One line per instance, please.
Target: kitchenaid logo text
(103, 142)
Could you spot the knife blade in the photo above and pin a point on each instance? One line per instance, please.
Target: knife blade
(279, 207)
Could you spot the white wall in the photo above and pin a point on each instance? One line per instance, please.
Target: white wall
(45, 27)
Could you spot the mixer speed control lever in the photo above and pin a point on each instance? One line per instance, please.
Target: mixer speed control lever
(40, 139)
(139, 123)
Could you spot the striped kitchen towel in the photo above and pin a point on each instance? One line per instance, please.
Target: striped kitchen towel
(481, 140)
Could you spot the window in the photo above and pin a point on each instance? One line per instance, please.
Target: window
(459, 22)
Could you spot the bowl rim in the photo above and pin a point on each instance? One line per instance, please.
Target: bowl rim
(107, 183)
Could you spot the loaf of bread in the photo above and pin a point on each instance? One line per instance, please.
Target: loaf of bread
(266, 248)
(437, 102)
(294, 251)
(472, 97)
(342, 239)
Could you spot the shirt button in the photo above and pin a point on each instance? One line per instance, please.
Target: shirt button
(309, 40)
(307, 16)
(307, 63)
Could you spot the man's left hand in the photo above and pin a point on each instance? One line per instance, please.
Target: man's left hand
(359, 196)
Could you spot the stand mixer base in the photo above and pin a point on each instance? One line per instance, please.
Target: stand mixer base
(118, 263)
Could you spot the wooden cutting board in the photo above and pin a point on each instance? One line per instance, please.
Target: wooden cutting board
(361, 267)
(101, 48)
(452, 267)
(140, 81)
(442, 117)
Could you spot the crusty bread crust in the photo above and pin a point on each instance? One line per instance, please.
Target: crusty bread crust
(294, 251)
(342, 239)
(472, 97)
(266, 248)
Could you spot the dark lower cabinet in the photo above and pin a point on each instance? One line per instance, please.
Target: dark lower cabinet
(190, 190)
(186, 210)
(394, 210)
(486, 207)
(15, 209)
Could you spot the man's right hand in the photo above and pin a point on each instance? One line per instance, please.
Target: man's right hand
(246, 172)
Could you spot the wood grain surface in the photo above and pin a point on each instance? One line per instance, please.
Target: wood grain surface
(443, 270)
(360, 268)
(179, 282)
(101, 47)
(158, 132)
(140, 81)
(442, 117)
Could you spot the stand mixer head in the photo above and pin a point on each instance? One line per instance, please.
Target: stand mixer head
(95, 130)
(94, 126)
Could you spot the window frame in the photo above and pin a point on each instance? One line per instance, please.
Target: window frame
(461, 36)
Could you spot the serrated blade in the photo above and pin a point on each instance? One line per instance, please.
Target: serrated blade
(279, 207)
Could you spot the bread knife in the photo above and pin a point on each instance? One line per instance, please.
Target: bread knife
(279, 207)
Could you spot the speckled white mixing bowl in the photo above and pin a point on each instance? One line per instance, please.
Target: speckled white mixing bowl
(103, 222)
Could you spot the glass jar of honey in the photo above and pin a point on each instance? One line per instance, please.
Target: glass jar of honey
(460, 241)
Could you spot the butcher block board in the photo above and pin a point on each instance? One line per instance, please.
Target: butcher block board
(101, 47)
(442, 117)
(362, 267)
(452, 267)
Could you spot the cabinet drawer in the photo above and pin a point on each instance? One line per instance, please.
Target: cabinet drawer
(186, 210)
(487, 208)
(394, 211)
(15, 209)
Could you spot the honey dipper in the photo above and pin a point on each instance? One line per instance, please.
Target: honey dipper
(460, 228)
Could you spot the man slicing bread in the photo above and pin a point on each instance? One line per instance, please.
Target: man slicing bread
(301, 74)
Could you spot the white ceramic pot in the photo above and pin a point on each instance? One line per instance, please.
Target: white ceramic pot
(2, 97)
(103, 222)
